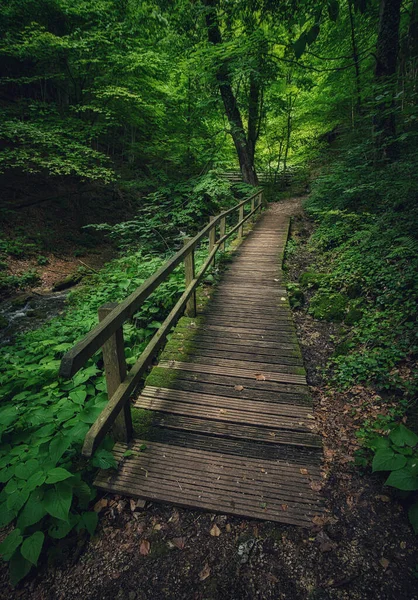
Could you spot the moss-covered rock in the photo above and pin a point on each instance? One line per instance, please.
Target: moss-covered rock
(310, 279)
(329, 306)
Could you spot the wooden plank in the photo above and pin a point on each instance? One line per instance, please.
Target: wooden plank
(229, 486)
(246, 432)
(286, 410)
(294, 361)
(215, 389)
(247, 365)
(236, 372)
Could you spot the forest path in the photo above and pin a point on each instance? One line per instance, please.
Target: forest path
(228, 403)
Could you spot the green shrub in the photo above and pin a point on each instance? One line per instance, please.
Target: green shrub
(329, 306)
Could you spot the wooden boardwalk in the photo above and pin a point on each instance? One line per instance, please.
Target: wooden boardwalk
(230, 427)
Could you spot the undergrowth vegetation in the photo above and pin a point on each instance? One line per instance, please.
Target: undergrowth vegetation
(47, 486)
(366, 278)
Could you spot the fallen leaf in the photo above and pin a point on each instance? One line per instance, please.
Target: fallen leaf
(100, 505)
(315, 486)
(383, 498)
(384, 562)
(260, 377)
(178, 543)
(284, 506)
(174, 517)
(304, 471)
(204, 573)
(403, 545)
(272, 434)
(132, 504)
(238, 388)
(157, 527)
(215, 531)
(228, 528)
(144, 547)
(320, 521)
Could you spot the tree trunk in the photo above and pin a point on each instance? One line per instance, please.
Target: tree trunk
(355, 53)
(244, 152)
(386, 61)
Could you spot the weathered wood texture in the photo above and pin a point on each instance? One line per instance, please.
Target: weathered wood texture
(232, 416)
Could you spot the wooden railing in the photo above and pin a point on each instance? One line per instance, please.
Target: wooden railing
(108, 334)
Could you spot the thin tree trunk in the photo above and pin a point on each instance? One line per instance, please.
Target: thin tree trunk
(355, 53)
(245, 158)
(386, 62)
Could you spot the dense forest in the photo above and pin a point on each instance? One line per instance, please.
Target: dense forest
(119, 121)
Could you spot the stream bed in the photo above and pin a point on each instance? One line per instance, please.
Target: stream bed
(29, 311)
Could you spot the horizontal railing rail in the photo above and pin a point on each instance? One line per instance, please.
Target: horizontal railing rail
(108, 334)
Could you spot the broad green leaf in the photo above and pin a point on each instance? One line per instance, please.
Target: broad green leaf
(84, 493)
(58, 446)
(57, 474)
(6, 474)
(32, 546)
(10, 544)
(386, 460)
(413, 517)
(46, 431)
(24, 471)
(33, 511)
(19, 567)
(17, 500)
(89, 521)
(90, 414)
(8, 415)
(78, 395)
(404, 479)
(60, 529)
(78, 432)
(57, 501)
(35, 480)
(104, 460)
(11, 486)
(6, 515)
(402, 436)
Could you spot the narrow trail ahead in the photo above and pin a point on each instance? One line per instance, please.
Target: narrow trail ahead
(231, 416)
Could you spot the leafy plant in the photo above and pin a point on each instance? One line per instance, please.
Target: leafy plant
(397, 453)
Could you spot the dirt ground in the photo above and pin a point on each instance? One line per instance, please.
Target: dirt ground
(363, 549)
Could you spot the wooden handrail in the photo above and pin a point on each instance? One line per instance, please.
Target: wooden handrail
(111, 324)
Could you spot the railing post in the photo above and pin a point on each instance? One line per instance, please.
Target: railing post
(212, 235)
(222, 231)
(240, 218)
(264, 203)
(115, 371)
(252, 208)
(189, 269)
